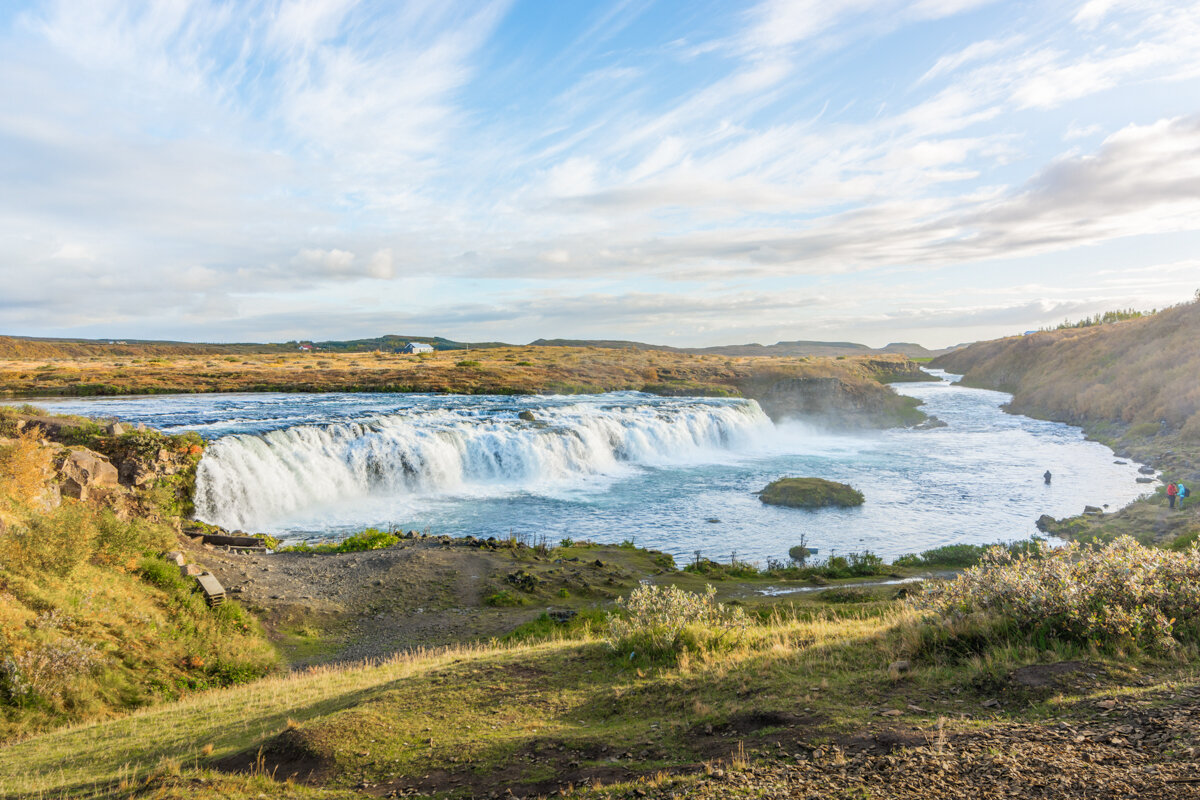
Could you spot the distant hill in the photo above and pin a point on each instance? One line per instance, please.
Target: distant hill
(793, 349)
(1141, 373)
(35, 347)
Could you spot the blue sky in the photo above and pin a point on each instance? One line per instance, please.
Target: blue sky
(691, 173)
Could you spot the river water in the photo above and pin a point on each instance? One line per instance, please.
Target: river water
(677, 474)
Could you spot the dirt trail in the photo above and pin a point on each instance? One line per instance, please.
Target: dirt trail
(351, 606)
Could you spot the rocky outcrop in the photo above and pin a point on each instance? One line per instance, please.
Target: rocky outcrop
(82, 474)
(892, 370)
(838, 403)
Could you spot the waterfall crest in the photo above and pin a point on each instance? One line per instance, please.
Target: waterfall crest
(247, 480)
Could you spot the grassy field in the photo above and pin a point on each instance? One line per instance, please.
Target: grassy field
(504, 370)
(537, 716)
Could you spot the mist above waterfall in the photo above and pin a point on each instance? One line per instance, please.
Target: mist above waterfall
(251, 480)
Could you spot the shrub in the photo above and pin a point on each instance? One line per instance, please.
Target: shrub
(967, 555)
(370, 539)
(1120, 594)
(663, 621)
(505, 599)
(799, 554)
(846, 594)
(55, 543)
(47, 670)
(117, 541)
(466, 363)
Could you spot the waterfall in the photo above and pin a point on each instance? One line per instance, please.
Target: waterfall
(246, 481)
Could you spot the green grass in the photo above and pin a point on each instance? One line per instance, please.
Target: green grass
(369, 539)
(473, 710)
(810, 493)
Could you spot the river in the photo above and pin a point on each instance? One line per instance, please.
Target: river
(677, 474)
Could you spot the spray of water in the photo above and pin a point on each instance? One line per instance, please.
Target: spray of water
(245, 481)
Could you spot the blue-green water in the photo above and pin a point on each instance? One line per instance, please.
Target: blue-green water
(678, 474)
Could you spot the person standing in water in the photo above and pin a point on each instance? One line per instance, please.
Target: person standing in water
(1172, 492)
(1047, 477)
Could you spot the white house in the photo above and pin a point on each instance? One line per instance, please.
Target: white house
(417, 347)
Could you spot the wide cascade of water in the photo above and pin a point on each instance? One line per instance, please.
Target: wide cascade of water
(676, 473)
(249, 480)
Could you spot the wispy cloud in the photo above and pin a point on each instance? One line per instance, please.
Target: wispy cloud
(615, 164)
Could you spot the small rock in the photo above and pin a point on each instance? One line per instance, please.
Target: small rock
(1107, 705)
(891, 712)
(992, 703)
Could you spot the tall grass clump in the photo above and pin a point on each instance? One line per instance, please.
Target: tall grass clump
(661, 622)
(1119, 595)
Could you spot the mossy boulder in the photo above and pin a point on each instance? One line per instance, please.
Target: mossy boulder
(810, 493)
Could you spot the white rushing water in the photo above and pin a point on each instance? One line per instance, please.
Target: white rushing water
(678, 474)
(249, 480)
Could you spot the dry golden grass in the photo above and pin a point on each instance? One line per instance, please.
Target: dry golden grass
(1141, 372)
(505, 370)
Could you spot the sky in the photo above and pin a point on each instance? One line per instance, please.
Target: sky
(688, 173)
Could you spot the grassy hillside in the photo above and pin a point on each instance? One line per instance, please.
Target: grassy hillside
(1139, 374)
(974, 687)
(1131, 384)
(501, 370)
(92, 620)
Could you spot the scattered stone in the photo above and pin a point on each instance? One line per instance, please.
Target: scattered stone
(84, 472)
(1145, 480)
(1092, 510)
(176, 557)
(1146, 469)
(116, 429)
(527, 416)
(991, 703)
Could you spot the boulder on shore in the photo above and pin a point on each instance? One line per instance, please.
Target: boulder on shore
(83, 472)
(810, 493)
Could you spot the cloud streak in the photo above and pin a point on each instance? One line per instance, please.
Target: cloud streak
(338, 158)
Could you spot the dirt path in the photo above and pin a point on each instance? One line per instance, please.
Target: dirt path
(351, 606)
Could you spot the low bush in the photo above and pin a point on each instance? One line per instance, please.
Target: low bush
(1121, 594)
(370, 539)
(966, 555)
(663, 621)
(505, 599)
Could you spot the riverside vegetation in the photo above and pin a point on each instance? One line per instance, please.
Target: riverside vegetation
(570, 668)
(810, 493)
(1131, 384)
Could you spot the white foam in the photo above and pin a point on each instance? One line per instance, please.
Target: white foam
(250, 481)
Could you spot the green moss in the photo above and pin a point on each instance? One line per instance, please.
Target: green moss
(810, 493)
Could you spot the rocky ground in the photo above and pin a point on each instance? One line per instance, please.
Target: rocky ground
(423, 592)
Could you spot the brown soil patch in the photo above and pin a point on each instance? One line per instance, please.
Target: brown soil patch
(1041, 676)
